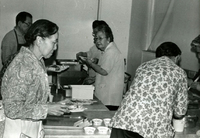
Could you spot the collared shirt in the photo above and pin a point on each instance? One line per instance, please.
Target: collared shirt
(25, 87)
(9, 44)
(158, 90)
(109, 88)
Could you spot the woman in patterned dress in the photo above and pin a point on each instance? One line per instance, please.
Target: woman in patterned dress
(25, 86)
(158, 92)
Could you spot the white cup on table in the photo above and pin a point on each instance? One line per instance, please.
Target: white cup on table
(179, 124)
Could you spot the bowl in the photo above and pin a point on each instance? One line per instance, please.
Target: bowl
(97, 121)
(89, 130)
(106, 121)
(102, 130)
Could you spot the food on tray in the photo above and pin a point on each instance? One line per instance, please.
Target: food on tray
(72, 107)
(82, 123)
(84, 101)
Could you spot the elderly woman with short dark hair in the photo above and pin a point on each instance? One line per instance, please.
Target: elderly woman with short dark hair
(25, 86)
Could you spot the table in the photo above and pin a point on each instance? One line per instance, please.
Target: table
(62, 126)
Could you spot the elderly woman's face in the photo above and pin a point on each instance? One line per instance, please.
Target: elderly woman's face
(49, 45)
(101, 40)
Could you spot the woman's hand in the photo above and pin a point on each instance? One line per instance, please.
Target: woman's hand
(57, 68)
(86, 60)
(57, 109)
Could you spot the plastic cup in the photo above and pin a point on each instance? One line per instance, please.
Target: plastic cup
(179, 124)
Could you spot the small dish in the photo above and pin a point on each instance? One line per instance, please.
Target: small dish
(97, 121)
(89, 130)
(106, 121)
(102, 130)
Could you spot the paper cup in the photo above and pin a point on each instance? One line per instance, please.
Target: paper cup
(106, 121)
(179, 124)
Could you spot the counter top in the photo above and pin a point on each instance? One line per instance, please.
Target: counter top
(62, 126)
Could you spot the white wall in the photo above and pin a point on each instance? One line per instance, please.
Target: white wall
(138, 34)
(74, 18)
(182, 27)
(129, 21)
(117, 13)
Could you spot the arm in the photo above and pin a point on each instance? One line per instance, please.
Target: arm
(8, 47)
(181, 101)
(94, 66)
(25, 96)
(83, 54)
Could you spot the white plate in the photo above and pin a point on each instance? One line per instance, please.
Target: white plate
(77, 110)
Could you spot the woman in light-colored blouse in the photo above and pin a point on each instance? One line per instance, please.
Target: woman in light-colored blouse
(25, 86)
(109, 82)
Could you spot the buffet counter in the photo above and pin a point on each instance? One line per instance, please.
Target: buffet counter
(63, 126)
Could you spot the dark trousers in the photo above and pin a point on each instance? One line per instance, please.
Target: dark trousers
(120, 133)
(112, 108)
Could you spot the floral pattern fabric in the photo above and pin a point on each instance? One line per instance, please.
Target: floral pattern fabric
(25, 87)
(158, 90)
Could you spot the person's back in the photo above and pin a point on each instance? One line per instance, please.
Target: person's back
(157, 93)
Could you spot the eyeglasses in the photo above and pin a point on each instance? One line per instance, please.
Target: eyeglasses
(99, 38)
(28, 24)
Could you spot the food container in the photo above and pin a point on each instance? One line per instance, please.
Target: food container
(106, 121)
(82, 91)
(68, 91)
(89, 130)
(102, 130)
(97, 121)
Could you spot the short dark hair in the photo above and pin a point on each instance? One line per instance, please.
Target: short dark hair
(107, 30)
(43, 28)
(196, 41)
(168, 49)
(97, 23)
(22, 17)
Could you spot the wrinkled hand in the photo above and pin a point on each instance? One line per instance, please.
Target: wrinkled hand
(57, 109)
(86, 60)
(62, 68)
(195, 85)
(57, 68)
(79, 54)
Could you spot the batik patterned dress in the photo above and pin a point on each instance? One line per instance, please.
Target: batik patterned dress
(158, 90)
